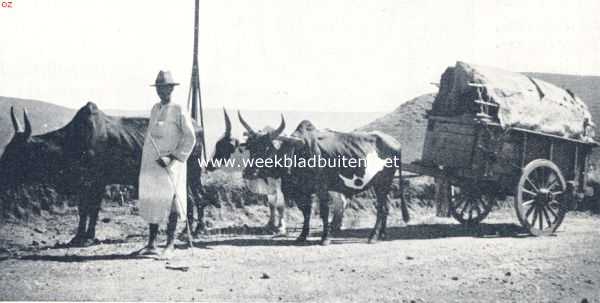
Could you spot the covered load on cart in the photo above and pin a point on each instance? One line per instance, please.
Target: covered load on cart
(493, 133)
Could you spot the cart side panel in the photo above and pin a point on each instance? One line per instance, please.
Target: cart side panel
(563, 155)
(582, 164)
(538, 147)
(508, 156)
(449, 144)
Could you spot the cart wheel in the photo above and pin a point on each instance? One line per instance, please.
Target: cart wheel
(469, 207)
(540, 198)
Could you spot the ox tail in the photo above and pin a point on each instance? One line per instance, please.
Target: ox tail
(403, 206)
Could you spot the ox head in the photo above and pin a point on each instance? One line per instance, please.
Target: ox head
(86, 132)
(265, 146)
(225, 146)
(19, 156)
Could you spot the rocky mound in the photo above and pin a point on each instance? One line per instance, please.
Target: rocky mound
(407, 124)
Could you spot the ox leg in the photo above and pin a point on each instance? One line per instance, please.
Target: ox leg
(281, 227)
(381, 192)
(93, 219)
(338, 214)
(324, 211)
(93, 200)
(272, 214)
(376, 229)
(80, 235)
(385, 210)
(305, 206)
(190, 213)
(200, 226)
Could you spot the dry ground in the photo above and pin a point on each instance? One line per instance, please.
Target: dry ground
(430, 260)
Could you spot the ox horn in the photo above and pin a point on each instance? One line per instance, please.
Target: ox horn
(15, 122)
(27, 123)
(274, 134)
(227, 124)
(246, 125)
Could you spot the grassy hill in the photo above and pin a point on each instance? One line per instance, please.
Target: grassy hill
(407, 123)
(44, 116)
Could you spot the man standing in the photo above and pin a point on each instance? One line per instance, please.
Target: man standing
(162, 183)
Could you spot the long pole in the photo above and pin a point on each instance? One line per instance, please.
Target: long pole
(195, 98)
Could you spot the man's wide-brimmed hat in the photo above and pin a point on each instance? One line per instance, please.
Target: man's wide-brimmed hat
(164, 77)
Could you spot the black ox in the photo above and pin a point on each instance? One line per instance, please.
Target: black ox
(299, 182)
(90, 152)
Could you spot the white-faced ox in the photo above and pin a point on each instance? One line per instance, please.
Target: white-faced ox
(81, 158)
(299, 182)
(277, 203)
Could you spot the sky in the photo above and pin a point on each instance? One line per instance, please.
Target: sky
(305, 55)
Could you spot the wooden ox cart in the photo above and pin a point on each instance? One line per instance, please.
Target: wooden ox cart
(467, 145)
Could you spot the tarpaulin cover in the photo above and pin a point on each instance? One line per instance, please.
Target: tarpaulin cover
(523, 101)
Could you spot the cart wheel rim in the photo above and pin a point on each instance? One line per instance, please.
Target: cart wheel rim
(470, 207)
(539, 201)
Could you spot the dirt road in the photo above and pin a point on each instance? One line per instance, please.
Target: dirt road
(431, 260)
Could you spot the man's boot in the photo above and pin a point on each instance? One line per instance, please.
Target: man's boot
(171, 227)
(150, 248)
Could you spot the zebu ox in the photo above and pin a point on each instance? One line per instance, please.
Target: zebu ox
(81, 158)
(270, 188)
(380, 154)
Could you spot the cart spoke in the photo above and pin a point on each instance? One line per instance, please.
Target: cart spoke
(532, 184)
(527, 203)
(528, 192)
(477, 209)
(462, 211)
(549, 178)
(485, 205)
(537, 175)
(529, 211)
(459, 202)
(553, 183)
(541, 218)
(543, 179)
(551, 210)
(554, 204)
(547, 217)
(535, 214)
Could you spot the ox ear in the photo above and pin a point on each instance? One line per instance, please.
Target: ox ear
(27, 131)
(15, 122)
(291, 139)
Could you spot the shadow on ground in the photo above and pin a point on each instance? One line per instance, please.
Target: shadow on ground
(410, 232)
(220, 238)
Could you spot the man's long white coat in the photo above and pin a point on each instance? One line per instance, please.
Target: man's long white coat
(172, 130)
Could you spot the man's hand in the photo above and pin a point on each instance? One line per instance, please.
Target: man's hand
(166, 161)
